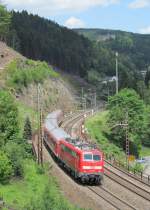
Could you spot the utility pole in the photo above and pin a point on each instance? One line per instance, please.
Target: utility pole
(84, 103)
(40, 129)
(95, 99)
(41, 136)
(38, 111)
(82, 97)
(116, 72)
(127, 138)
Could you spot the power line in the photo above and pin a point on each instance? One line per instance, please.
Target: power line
(116, 72)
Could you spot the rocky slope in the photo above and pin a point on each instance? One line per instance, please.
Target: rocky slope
(56, 93)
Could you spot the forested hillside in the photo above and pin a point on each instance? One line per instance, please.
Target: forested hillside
(41, 39)
(135, 46)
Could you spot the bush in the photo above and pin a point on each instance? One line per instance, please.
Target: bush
(16, 154)
(21, 73)
(5, 168)
(9, 127)
(137, 168)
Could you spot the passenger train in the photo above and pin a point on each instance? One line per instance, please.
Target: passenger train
(83, 160)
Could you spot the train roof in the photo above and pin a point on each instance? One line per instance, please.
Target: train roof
(51, 125)
(51, 120)
(82, 145)
(59, 133)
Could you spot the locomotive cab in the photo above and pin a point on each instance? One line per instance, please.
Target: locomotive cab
(91, 166)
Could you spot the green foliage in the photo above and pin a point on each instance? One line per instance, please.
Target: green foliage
(93, 76)
(21, 73)
(145, 151)
(5, 20)
(133, 47)
(146, 131)
(9, 128)
(5, 168)
(147, 77)
(127, 106)
(27, 134)
(42, 39)
(50, 199)
(99, 131)
(36, 191)
(25, 111)
(16, 154)
(137, 168)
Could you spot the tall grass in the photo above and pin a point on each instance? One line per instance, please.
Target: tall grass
(37, 191)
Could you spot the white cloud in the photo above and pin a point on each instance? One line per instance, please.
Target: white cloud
(73, 22)
(137, 4)
(48, 7)
(145, 30)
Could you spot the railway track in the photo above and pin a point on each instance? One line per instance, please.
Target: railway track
(111, 198)
(142, 179)
(124, 179)
(128, 184)
(73, 121)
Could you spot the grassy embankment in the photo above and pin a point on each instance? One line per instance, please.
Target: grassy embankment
(35, 190)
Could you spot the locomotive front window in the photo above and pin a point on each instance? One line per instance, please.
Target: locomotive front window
(96, 157)
(87, 156)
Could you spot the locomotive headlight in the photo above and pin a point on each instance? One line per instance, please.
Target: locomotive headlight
(87, 167)
(98, 167)
(92, 167)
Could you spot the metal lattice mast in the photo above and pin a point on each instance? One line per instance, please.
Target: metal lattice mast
(40, 129)
(127, 136)
(38, 111)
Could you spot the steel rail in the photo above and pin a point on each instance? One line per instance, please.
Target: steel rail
(128, 185)
(114, 200)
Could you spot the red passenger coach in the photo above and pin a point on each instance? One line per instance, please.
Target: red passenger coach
(82, 159)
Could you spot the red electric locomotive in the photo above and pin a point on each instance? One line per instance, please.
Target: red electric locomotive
(83, 160)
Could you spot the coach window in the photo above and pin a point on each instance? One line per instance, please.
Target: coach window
(87, 157)
(73, 154)
(63, 147)
(45, 136)
(96, 157)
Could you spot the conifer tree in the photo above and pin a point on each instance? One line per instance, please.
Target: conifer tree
(5, 20)
(27, 134)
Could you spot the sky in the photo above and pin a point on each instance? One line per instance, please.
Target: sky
(127, 15)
